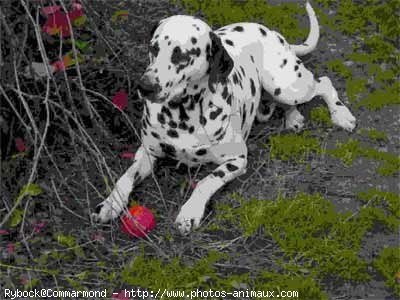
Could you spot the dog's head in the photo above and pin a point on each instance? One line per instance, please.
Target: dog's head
(183, 49)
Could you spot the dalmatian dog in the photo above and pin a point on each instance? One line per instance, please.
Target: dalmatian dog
(201, 94)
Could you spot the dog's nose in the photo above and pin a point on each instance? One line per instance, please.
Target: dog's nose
(146, 87)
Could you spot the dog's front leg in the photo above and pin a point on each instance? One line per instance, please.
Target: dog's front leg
(192, 211)
(118, 199)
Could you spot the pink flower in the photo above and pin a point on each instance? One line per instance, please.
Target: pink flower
(127, 155)
(10, 248)
(4, 232)
(38, 226)
(20, 144)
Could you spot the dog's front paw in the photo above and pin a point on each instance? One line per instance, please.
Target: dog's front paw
(343, 117)
(189, 217)
(109, 209)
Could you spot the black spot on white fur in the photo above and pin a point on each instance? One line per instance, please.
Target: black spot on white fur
(229, 42)
(216, 113)
(231, 168)
(172, 133)
(219, 173)
(201, 152)
(252, 87)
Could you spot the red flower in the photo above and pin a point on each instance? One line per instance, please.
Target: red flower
(120, 100)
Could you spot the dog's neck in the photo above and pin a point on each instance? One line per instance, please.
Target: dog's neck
(192, 93)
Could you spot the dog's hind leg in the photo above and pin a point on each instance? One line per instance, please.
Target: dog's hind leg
(118, 199)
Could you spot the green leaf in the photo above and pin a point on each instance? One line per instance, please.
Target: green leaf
(16, 217)
(31, 189)
(80, 21)
(82, 45)
(65, 240)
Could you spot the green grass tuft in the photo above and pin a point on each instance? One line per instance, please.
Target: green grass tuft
(155, 274)
(294, 147)
(310, 232)
(374, 134)
(339, 67)
(307, 287)
(355, 87)
(388, 264)
(351, 150)
(381, 97)
(385, 199)
(282, 18)
(321, 116)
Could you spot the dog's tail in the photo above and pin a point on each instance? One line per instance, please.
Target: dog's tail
(312, 39)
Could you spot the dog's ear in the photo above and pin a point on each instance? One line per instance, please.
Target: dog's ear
(153, 29)
(220, 63)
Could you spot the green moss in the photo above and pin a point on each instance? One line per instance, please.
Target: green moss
(385, 199)
(339, 67)
(283, 18)
(349, 151)
(294, 147)
(374, 134)
(388, 264)
(381, 97)
(380, 50)
(321, 116)
(306, 287)
(153, 273)
(355, 87)
(309, 231)
(371, 15)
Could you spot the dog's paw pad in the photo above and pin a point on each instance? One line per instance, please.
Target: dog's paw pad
(188, 220)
